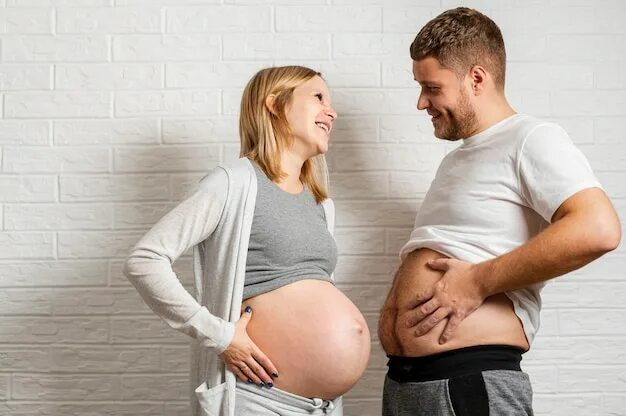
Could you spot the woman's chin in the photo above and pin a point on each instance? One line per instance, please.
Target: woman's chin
(322, 148)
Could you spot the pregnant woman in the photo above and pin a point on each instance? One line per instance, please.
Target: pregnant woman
(273, 335)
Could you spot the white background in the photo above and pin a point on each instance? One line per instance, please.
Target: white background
(111, 111)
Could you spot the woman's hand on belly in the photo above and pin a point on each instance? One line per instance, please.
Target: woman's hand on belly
(245, 359)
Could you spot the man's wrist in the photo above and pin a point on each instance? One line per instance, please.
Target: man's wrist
(482, 276)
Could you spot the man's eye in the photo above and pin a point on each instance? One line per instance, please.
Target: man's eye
(433, 89)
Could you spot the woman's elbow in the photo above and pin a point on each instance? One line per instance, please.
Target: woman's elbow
(129, 269)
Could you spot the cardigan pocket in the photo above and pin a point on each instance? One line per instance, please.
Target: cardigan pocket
(213, 401)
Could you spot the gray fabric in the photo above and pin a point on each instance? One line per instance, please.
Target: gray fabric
(289, 239)
(509, 394)
(512, 393)
(253, 400)
(429, 398)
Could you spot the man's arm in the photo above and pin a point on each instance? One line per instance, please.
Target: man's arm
(583, 228)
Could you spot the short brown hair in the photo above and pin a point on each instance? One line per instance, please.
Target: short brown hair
(264, 135)
(461, 38)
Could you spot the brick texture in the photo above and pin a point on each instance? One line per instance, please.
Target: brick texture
(112, 109)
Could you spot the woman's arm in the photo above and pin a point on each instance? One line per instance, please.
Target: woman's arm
(149, 265)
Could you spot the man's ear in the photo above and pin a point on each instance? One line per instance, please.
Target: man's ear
(478, 76)
(269, 103)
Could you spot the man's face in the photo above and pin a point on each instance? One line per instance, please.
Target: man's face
(445, 98)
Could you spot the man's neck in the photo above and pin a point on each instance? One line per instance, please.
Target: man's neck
(494, 113)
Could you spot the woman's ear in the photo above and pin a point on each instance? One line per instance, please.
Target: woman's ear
(269, 103)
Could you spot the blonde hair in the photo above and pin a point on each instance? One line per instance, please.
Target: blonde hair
(265, 134)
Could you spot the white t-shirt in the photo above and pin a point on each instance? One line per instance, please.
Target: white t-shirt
(497, 190)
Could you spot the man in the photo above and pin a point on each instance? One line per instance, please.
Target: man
(515, 205)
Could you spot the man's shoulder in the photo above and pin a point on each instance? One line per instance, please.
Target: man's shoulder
(530, 125)
(513, 137)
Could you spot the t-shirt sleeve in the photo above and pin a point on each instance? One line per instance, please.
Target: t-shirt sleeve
(551, 169)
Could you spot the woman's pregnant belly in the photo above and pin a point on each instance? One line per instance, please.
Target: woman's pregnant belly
(315, 336)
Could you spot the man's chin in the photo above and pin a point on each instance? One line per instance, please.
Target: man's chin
(440, 134)
(443, 136)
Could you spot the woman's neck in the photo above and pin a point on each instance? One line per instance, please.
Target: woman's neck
(292, 166)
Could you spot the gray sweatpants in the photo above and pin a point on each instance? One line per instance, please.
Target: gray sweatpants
(252, 400)
(494, 392)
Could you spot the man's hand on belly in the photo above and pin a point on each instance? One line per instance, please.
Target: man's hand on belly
(455, 296)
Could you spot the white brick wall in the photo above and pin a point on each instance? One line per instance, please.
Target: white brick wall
(112, 109)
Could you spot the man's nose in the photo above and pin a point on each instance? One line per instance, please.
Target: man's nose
(422, 102)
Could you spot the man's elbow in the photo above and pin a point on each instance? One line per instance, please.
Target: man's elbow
(608, 236)
(612, 240)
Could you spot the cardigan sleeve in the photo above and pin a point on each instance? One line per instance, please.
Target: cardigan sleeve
(149, 265)
(329, 212)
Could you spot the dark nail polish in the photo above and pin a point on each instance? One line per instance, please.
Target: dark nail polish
(261, 384)
(274, 375)
(249, 381)
(270, 385)
(248, 309)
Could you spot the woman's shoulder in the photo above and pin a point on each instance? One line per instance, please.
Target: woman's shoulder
(238, 168)
(226, 173)
(215, 178)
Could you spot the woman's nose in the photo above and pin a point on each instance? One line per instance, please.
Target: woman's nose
(331, 112)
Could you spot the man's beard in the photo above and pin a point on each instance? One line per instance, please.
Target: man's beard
(460, 124)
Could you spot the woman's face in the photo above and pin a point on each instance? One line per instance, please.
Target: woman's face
(310, 117)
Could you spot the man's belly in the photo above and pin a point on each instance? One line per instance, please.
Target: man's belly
(494, 322)
(315, 336)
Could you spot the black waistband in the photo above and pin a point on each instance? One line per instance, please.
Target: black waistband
(454, 363)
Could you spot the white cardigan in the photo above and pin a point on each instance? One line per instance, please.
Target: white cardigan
(216, 222)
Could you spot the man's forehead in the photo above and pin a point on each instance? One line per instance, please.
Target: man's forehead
(430, 70)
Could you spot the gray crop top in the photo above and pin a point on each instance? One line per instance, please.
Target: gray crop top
(289, 239)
